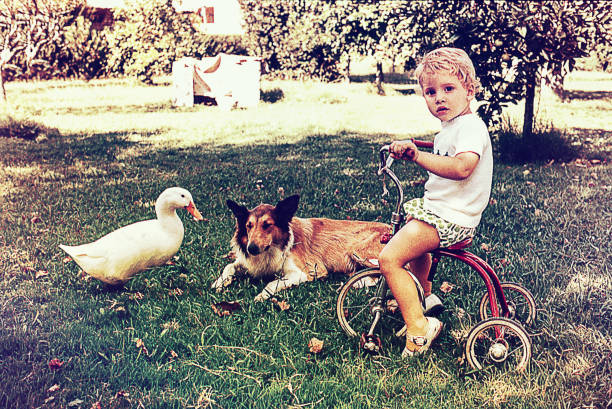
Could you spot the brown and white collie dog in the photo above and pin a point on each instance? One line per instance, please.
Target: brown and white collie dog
(270, 241)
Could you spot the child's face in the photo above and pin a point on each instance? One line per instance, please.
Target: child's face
(445, 95)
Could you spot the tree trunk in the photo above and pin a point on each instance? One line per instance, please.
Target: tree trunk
(2, 84)
(347, 72)
(380, 78)
(530, 88)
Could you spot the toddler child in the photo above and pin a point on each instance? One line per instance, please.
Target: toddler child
(457, 191)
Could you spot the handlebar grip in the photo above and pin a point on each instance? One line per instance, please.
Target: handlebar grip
(423, 144)
(409, 155)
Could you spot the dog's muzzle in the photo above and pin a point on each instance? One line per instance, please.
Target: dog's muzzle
(253, 249)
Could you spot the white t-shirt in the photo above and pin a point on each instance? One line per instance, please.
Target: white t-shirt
(461, 201)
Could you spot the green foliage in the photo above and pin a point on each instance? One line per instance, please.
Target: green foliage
(31, 35)
(142, 42)
(84, 51)
(288, 37)
(314, 39)
(149, 35)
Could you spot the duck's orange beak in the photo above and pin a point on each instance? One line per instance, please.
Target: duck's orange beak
(194, 212)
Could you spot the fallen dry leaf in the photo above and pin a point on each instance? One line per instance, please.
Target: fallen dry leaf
(55, 364)
(140, 345)
(315, 345)
(485, 247)
(176, 291)
(224, 308)
(136, 296)
(53, 388)
(96, 405)
(446, 287)
(41, 273)
(283, 305)
(66, 260)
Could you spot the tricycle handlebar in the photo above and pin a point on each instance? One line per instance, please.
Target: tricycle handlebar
(385, 167)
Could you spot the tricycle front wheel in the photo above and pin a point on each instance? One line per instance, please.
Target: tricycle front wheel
(498, 343)
(359, 299)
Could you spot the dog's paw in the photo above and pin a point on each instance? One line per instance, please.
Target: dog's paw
(263, 296)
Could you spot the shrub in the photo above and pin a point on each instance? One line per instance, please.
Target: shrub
(85, 51)
(545, 144)
(273, 95)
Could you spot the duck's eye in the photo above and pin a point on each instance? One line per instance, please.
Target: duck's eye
(182, 195)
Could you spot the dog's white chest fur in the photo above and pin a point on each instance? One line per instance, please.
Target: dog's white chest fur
(267, 263)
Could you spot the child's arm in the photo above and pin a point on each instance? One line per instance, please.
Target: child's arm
(457, 167)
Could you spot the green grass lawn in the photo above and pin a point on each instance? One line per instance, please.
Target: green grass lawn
(157, 343)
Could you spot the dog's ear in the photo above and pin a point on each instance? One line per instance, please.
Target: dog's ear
(240, 212)
(285, 209)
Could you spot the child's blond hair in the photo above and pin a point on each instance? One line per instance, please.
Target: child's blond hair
(453, 60)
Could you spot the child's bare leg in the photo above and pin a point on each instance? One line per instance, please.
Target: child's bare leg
(413, 240)
(420, 268)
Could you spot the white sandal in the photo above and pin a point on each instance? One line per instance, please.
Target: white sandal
(433, 306)
(423, 342)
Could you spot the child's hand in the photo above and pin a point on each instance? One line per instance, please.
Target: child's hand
(405, 150)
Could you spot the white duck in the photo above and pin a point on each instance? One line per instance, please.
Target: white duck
(119, 255)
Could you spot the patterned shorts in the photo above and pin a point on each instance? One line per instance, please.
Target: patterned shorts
(448, 232)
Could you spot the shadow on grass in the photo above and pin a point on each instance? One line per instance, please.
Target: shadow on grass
(405, 91)
(115, 109)
(511, 147)
(25, 129)
(580, 94)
